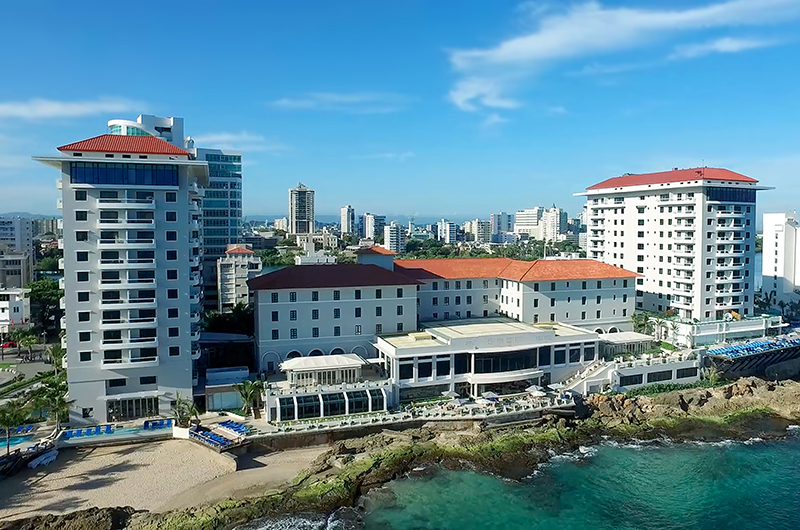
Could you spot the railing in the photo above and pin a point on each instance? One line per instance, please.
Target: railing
(125, 201)
(126, 241)
(126, 221)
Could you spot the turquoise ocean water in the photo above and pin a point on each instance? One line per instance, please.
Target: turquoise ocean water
(753, 485)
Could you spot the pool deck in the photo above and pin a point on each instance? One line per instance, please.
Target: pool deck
(98, 440)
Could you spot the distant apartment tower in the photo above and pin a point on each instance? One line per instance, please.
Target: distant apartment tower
(16, 233)
(372, 225)
(281, 224)
(238, 265)
(394, 237)
(502, 222)
(348, 220)
(478, 231)
(446, 231)
(16, 268)
(131, 274)
(553, 223)
(690, 233)
(527, 222)
(780, 268)
(301, 210)
(46, 226)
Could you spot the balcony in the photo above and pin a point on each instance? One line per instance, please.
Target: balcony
(724, 279)
(194, 206)
(131, 303)
(194, 298)
(130, 362)
(197, 190)
(61, 283)
(684, 266)
(116, 285)
(60, 204)
(195, 354)
(59, 184)
(115, 264)
(62, 304)
(194, 241)
(729, 214)
(682, 304)
(729, 265)
(194, 261)
(127, 344)
(127, 244)
(127, 204)
(124, 224)
(684, 252)
(194, 279)
(61, 243)
(194, 318)
(131, 323)
(194, 335)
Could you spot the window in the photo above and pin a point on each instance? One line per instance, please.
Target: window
(81, 215)
(469, 300)
(378, 328)
(172, 255)
(358, 329)
(172, 294)
(446, 285)
(171, 196)
(292, 315)
(80, 195)
(629, 380)
(116, 382)
(174, 332)
(293, 333)
(552, 302)
(83, 316)
(337, 331)
(81, 235)
(174, 351)
(315, 314)
(315, 296)
(82, 256)
(378, 293)
(399, 326)
(446, 300)
(535, 287)
(599, 284)
(435, 301)
(485, 284)
(654, 377)
(337, 312)
(293, 296)
(399, 292)
(553, 286)
(337, 295)
(83, 296)
(469, 284)
(172, 235)
(172, 216)
(358, 312)
(599, 298)
(147, 380)
(378, 311)
(86, 356)
(535, 302)
(172, 312)
(682, 373)
(358, 294)
(315, 332)
(399, 310)
(275, 334)
(458, 300)
(83, 276)
(598, 314)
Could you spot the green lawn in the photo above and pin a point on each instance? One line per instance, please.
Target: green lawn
(7, 365)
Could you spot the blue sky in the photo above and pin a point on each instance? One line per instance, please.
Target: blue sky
(451, 108)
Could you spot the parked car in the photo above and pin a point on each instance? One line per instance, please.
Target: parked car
(9, 344)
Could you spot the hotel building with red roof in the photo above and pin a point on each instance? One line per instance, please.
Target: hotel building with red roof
(689, 233)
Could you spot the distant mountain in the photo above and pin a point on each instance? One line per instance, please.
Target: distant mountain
(28, 215)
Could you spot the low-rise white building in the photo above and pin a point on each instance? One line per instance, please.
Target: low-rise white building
(233, 270)
(780, 267)
(16, 268)
(15, 309)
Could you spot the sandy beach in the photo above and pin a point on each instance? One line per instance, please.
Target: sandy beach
(155, 476)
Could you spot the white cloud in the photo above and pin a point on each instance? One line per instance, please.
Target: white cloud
(241, 141)
(37, 109)
(399, 157)
(493, 120)
(610, 69)
(724, 45)
(353, 102)
(590, 29)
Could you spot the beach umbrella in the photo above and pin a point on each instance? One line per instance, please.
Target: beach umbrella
(557, 386)
(450, 394)
(458, 402)
(490, 395)
(534, 388)
(537, 393)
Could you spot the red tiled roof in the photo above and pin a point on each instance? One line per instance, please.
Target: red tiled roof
(239, 250)
(676, 175)
(377, 250)
(115, 143)
(323, 276)
(509, 269)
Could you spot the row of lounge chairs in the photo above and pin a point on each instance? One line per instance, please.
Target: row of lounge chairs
(751, 348)
(91, 431)
(240, 429)
(152, 425)
(209, 438)
(16, 431)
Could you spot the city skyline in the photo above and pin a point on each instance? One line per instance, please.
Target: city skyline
(483, 100)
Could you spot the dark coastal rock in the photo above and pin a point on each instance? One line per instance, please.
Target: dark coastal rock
(91, 519)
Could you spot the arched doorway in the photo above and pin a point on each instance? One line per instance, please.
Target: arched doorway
(269, 362)
(315, 353)
(613, 330)
(360, 350)
(294, 354)
(599, 330)
(337, 351)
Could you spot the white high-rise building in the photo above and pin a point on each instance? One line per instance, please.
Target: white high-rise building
(446, 231)
(281, 224)
(372, 225)
(132, 253)
(527, 221)
(781, 258)
(348, 220)
(17, 233)
(301, 210)
(222, 203)
(502, 222)
(690, 233)
(553, 223)
(394, 237)
(237, 266)
(478, 231)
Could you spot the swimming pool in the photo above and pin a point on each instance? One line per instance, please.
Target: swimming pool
(71, 435)
(17, 440)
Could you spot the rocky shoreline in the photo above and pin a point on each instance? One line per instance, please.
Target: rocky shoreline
(352, 468)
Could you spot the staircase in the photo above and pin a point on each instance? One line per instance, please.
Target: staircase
(593, 369)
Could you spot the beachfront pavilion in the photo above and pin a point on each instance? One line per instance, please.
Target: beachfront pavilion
(474, 356)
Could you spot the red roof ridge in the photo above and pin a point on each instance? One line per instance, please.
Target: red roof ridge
(377, 250)
(674, 175)
(239, 250)
(116, 143)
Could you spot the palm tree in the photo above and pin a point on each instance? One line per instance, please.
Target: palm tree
(674, 328)
(12, 415)
(28, 341)
(249, 391)
(782, 304)
(56, 353)
(184, 410)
